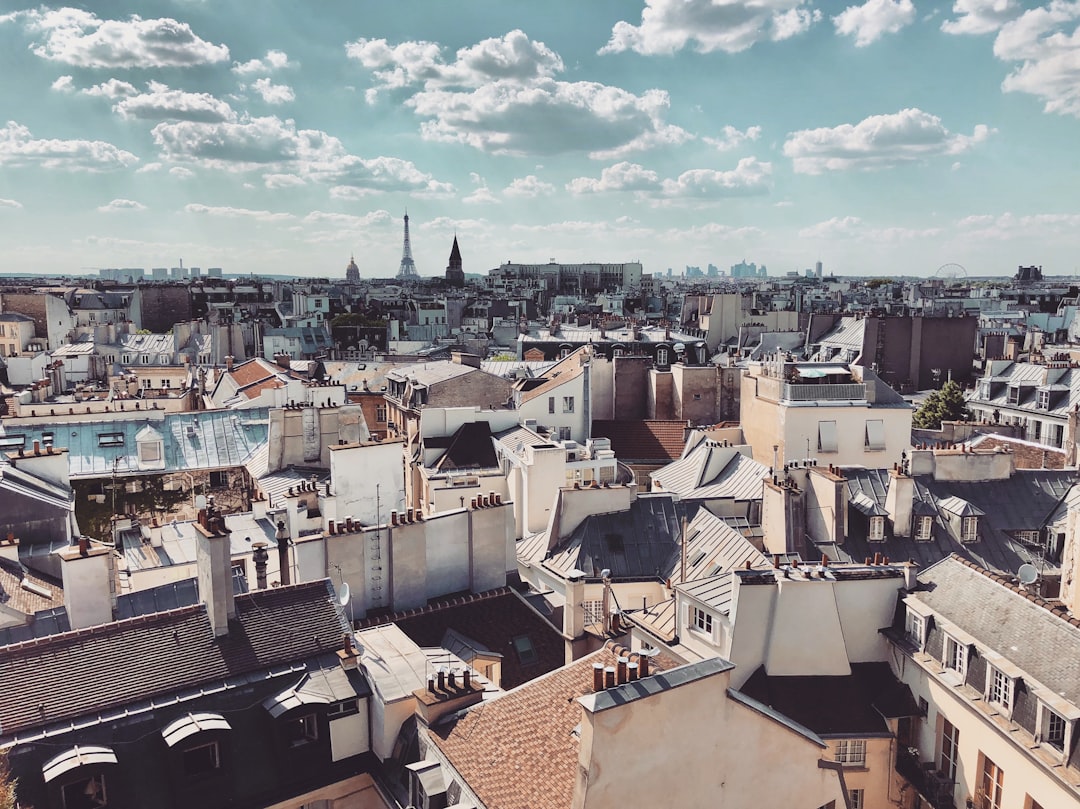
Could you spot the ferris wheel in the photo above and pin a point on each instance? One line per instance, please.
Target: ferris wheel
(951, 272)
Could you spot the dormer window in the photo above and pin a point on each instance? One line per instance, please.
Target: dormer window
(924, 528)
(1044, 400)
(1053, 728)
(1014, 394)
(969, 529)
(877, 529)
(915, 628)
(956, 656)
(999, 689)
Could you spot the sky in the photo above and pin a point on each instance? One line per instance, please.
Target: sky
(889, 138)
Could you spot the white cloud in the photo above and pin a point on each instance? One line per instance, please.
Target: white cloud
(181, 172)
(82, 39)
(19, 148)
(372, 219)
(161, 103)
(749, 177)
(113, 88)
(276, 146)
(853, 228)
(548, 117)
(273, 93)
(10, 203)
(513, 57)
(274, 60)
(1008, 226)
(732, 137)
(1049, 56)
(64, 84)
(481, 196)
(733, 26)
(838, 226)
(122, 205)
(980, 16)
(880, 141)
(149, 168)
(874, 19)
(501, 96)
(226, 212)
(528, 187)
(283, 181)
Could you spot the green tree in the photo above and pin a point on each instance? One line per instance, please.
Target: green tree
(947, 404)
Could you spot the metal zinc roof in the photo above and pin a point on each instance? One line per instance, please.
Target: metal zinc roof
(741, 478)
(204, 440)
(712, 547)
(715, 591)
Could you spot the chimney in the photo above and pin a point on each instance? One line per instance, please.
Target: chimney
(214, 561)
(229, 360)
(620, 670)
(261, 557)
(899, 500)
(609, 676)
(347, 654)
(643, 665)
(282, 537)
(631, 672)
(87, 573)
(598, 676)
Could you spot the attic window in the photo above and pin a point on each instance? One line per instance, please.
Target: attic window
(827, 436)
(924, 528)
(12, 441)
(111, 440)
(1044, 400)
(526, 653)
(877, 529)
(969, 529)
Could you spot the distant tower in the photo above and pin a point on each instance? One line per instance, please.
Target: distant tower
(407, 270)
(352, 272)
(455, 275)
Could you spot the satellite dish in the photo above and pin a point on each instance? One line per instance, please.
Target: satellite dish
(1028, 574)
(200, 501)
(344, 595)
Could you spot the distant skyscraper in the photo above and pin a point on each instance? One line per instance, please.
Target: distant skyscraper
(352, 272)
(455, 274)
(817, 269)
(407, 270)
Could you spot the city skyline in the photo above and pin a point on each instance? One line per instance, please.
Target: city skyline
(884, 138)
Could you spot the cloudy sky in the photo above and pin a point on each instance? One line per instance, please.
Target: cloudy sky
(891, 137)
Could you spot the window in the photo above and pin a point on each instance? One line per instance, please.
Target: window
(875, 434)
(956, 656)
(594, 611)
(150, 452)
(219, 479)
(111, 440)
(969, 529)
(551, 404)
(564, 433)
(950, 747)
(380, 414)
(1044, 400)
(1001, 686)
(85, 793)
(856, 799)
(347, 707)
(12, 442)
(47, 438)
(568, 404)
(701, 620)
(1028, 537)
(1014, 394)
(915, 628)
(202, 759)
(1053, 729)
(661, 356)
(525, 651)
(877, 529)
(991, 784)
(851, 752)
(924, 528)
(827, 436)
(304, 730)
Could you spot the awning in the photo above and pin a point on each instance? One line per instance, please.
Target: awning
(193, 723)
(78, 756)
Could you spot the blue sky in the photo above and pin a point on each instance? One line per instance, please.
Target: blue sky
(891, 137)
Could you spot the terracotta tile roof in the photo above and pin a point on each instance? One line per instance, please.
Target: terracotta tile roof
(16, 597)
(493, 619)
(1026, 454)
(253, 391)
(652, 440)
(62, 677)
(506, 748)
(252, 371)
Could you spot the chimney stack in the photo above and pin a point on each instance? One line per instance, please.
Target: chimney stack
(598, 676)
(261, 557)
(282, 537)
(214, 561)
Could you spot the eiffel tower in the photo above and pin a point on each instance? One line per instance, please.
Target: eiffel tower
(407, 270)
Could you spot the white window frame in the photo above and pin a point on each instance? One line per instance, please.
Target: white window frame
(1044, 400)
(701, 621)
(915, 628)
(593, 611)
(955, 656)
(851, 752)
(857, 799)
(828, 440)
(661, 356)
(568, 404)
(1000, 689)
(877, 529)
(948, 755)
(875, 434)
(1050, 722)
(969, 529)
(924, 528)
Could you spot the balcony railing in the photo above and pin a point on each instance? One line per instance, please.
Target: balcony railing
(935, 787)
(824, 393)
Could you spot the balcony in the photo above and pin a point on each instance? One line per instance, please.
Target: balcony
(850, 391)
(935, 787)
